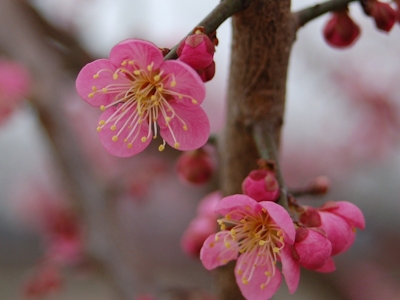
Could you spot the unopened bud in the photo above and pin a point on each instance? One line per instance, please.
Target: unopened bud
(261, 185)
(195, 166)
(341, 31)
(197, 50)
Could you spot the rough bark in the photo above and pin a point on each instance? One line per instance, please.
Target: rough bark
(262, 38)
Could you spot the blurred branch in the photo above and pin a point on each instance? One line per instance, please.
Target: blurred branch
(310, 13)
(224, 10)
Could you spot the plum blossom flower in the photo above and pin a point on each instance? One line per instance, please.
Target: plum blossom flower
(138, 90)
(14, 85)
(258, 235)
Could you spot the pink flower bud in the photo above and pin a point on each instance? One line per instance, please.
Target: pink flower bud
(312, 247)
(261, 185)
(208, 73)
(341, 31)
(319, 186)
(383, 14)
(196, 166)
(197, 50)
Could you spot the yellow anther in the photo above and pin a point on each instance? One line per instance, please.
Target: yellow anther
(176, 145)
(275, 249)
(98, 129)
(161, 148)
(113, 127)
(104, 90)
(150, 67)
(157, 77)
(233, 232)
(216, 238)
(91, 95)
(240, 272)
(223, 226)
(129, 145)
(153, 98)
(102, 107)
(211, 245)
(114, 138)
(95, 76)
(115, 76)
(167, 119)
(131, 62)
(173, 83)
(281, 239)
(154, 137)
(194, 101)
(102, 122)
(227, 245)
(244, 280)
(228, 217)
(242, 221)
(248, 207)
(94, 88)
(123, 63)
(262, 243)
(268, 273)
(160, 89)
(136, 72)
(264, 210)
(180, 96)
(185, 127)
(143, 139)
(262, 286)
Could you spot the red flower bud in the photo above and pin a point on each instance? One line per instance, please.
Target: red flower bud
(197, 50)
(208, 73)
(341, 31)
(195, 166)
(261, 185)
(383, 14)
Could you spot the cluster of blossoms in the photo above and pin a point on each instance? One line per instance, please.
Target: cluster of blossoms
(341, 31)
(259, 233)
(14, 85)
(143, 95)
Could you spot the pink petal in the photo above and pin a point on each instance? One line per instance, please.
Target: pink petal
(119, 148)
(328, 267)
(281, 218)
(188, 82)
(252, 290)
(338, 231)
(314, 250)
(85, 82)
(198, 127)
(214, 253)
(290, 269)
(351, 213)
(143, 53)
(238, 202)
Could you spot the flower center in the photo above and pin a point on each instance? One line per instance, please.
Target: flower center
(141, 96)
(259, 239)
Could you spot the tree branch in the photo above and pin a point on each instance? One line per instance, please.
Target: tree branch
(310, 13)
(214, 19)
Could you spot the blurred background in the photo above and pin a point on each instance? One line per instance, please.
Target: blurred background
(342, 121)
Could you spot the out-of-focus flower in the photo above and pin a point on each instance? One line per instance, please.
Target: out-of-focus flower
(195, 166)
(14, 85)
(384, 15)
(339, 221)
(138, 90)
(257, 234)
(261, 185)
(202, 226)
(341, 31)
(46, 280)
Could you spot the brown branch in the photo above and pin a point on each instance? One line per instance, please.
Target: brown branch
(310, 13)
(224, 10)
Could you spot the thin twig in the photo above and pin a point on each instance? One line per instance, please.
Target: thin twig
(267, 150)
(310, 13)
(214, 19)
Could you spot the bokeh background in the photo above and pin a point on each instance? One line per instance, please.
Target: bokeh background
(342, 121)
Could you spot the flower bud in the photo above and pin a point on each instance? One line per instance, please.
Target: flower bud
(383, 14)
(341, 31)
(197, 50)
(208, 73)
(195, 166)
(261, 185)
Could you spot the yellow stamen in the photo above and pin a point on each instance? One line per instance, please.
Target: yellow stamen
(113, 128)
(143, 139)
(95, 76)
(161, 148)
(102, 107)
(115, 76)
(176, 145)
(114, 138)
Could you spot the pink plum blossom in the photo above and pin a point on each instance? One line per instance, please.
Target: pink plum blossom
(261, 185)
(138, 90)
(258, 235)
(339, 221)
(14, 85)
(202, 226)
